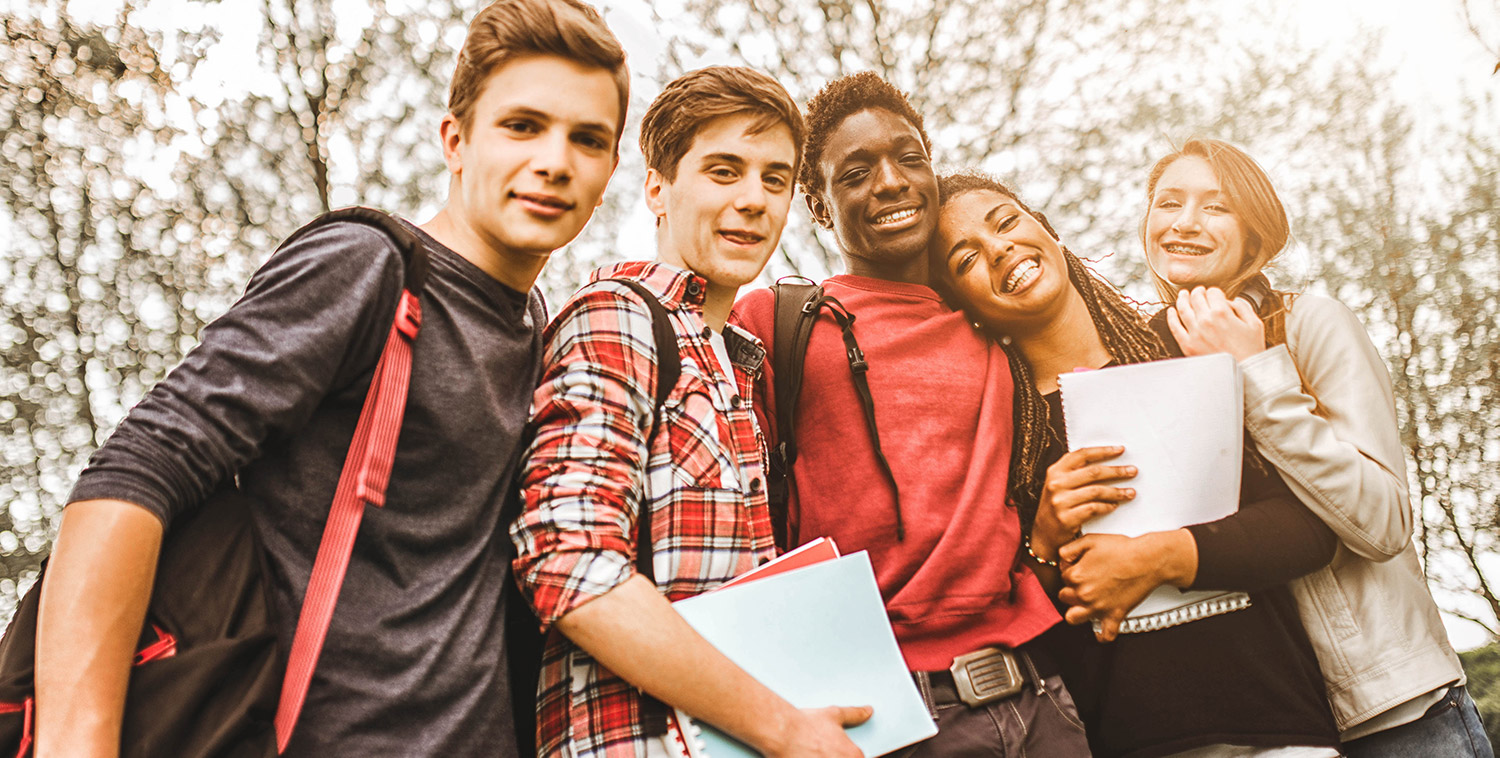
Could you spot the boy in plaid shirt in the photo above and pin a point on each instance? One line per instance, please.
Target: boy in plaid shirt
(721, 145)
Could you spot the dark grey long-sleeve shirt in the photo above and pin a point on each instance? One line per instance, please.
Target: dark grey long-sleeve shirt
(414, 661)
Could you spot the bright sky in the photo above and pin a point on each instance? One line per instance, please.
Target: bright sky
(1437, 58)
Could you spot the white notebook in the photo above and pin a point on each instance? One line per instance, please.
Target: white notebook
(1181, 423)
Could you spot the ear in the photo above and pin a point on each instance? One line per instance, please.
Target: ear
(450, 131)
(819, 211)
(656, 187)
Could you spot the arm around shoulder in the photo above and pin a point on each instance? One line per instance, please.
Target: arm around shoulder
(1271, 540)
(93, 603)
(260, 371)
(1321, 410)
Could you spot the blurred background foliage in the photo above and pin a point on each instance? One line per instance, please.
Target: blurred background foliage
(154, 152)
(1483, 667)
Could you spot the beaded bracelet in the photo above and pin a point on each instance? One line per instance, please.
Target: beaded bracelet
(1035, 557)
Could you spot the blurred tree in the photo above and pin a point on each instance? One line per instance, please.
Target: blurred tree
(1483, 20)
(341, 110)
(101, 282)
(138, 195)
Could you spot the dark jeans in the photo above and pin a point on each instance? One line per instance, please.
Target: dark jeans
(1038, 722)
(1450, 728)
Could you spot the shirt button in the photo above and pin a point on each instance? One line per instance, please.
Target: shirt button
(735, 401)
(755, 484)
(694, 288)
(708, 333)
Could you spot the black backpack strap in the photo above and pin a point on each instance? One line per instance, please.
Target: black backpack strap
(793, 318)
(796, 311)
(668, 371)
(412, 250)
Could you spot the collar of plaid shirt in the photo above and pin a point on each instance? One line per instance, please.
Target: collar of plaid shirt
(684, 290)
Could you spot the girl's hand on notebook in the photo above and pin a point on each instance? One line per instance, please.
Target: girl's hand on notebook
(1075, 491)
(1107, 574)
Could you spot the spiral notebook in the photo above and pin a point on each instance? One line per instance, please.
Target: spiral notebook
(1181, 423)
(817, 636)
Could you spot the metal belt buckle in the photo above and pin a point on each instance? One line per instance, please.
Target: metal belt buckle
(986, 675)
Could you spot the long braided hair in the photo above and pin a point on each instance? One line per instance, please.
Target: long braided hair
(1123, 330)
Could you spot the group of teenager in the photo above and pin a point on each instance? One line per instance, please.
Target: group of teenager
(927, 428)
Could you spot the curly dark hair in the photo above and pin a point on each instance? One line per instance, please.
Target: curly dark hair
(838, 100)
(1122, 328)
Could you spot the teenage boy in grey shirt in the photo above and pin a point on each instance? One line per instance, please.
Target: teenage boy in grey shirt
(414, 659)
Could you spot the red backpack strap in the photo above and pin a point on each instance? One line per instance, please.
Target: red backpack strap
(367, 471)
(27, 709)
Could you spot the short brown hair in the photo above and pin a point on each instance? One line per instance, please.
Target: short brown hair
(510, 29)
(1255, 203)
(698, 97)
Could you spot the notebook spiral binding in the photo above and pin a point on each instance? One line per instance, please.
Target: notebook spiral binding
(1215, 606)
(684, 737)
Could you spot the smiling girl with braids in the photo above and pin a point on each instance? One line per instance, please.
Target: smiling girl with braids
(1319, 405)
(1243, 684)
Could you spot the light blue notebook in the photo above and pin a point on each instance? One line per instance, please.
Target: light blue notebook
(817, 636)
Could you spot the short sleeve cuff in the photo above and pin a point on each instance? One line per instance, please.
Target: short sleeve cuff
(556, 592)
(112, 488)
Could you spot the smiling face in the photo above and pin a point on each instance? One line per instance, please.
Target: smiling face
(722, 215)
(879, 196)
(1192, 233)
(1004, 266)
(533, 163)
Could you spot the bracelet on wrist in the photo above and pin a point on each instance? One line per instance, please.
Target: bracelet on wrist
(1035, 557)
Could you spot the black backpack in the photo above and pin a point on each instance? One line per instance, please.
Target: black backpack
(798, 305)
(208, 673)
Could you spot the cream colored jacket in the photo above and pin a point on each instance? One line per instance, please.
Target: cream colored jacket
(1322, 411)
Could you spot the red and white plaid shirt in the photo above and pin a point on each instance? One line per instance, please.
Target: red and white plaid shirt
(589, 469)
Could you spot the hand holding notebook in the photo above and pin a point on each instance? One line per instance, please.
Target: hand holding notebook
(817, 635)
(1180, 422)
